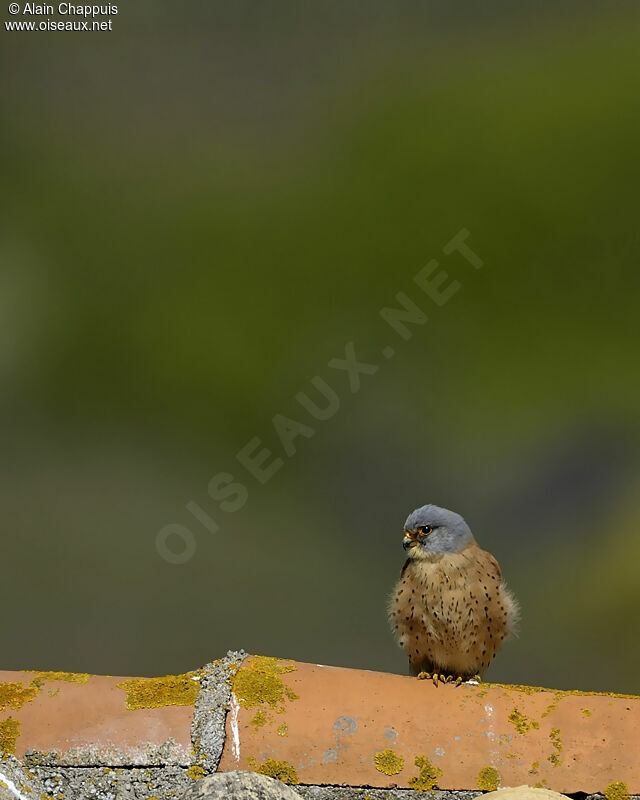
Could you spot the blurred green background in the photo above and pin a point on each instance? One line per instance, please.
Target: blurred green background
(201, 208)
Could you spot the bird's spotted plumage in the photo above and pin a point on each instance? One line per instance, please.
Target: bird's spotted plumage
(450, 610)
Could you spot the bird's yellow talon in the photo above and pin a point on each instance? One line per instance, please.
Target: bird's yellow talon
(440, 677)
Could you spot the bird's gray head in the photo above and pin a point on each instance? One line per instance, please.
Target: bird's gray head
(431, 531)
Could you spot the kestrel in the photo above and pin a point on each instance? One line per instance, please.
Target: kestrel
(450, 609)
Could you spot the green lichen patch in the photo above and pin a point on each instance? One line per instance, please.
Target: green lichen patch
(427, 778)
(388, 762)
(522, 723)
(15, 695)
(488, 779)
(617, 791)
(554, 758)
(280, 770)
(534, 768)
(169, 690)
(261, 682)
(9, 732)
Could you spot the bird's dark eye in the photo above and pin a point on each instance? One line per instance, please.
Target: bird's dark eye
(425, 529)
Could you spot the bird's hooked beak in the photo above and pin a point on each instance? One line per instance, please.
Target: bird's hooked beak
(410, 539)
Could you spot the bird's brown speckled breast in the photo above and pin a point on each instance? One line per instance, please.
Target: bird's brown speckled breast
(450, 613)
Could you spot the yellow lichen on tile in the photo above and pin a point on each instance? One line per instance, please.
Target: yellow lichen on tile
(261, 682)
(169, 690)
(427, 778)
(522, 723)
(534, 768)
(15, 695)
(388, 762)
(9, 732)
(282, 730)
(586, 712)
(68, 677)
(488, 779)
(552, 706)
(195, 772)
(554, 758)
(560, 693)
(259, 719)
(617, 791)
(280, 770)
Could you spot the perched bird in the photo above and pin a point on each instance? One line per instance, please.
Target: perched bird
(450, 609)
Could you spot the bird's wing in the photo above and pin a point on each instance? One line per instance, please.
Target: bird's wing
(510, 603)
(492, 565)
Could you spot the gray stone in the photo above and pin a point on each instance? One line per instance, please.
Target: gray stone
(524, 793)
(208, 726)
(16, 781)
(240, 786)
